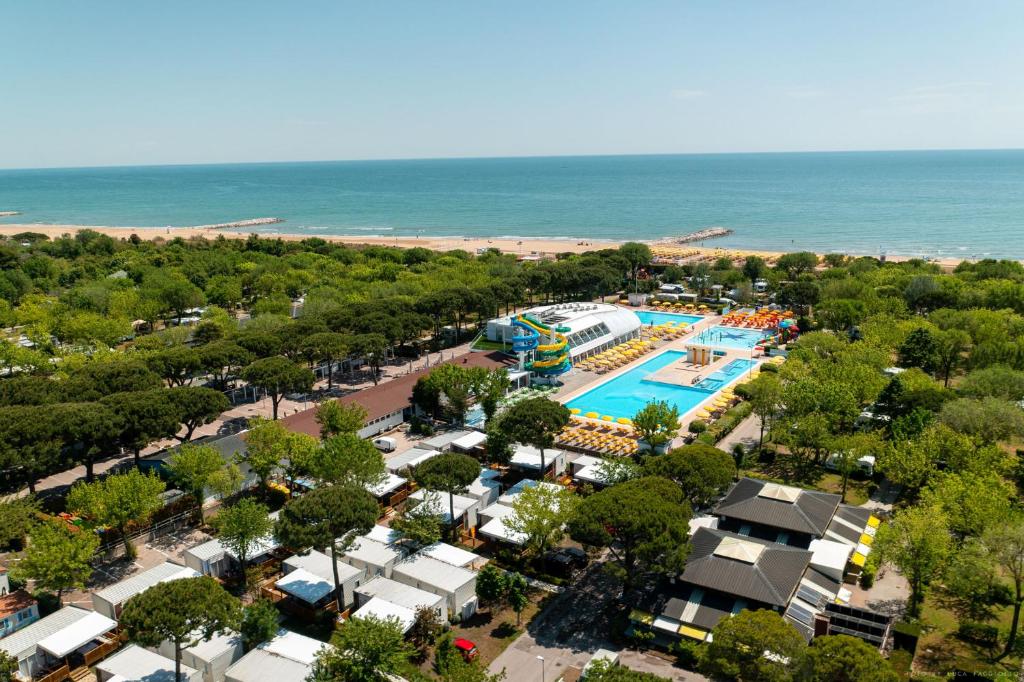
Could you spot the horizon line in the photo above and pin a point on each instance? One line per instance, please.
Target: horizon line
(514, 156)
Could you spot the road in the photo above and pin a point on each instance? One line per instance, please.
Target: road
(746, 432)
(569, 630)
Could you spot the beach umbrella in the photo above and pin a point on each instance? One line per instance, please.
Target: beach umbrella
(591, 415)
(574, 410)
(625, 420)
(608, 418)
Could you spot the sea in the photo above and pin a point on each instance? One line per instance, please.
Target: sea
(934, 204)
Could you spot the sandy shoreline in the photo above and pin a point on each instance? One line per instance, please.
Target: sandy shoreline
(522, 247)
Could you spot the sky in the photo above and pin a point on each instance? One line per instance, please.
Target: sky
(114, 82)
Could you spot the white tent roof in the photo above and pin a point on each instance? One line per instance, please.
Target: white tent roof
(497, 510)
(496, 528)
(586, 461)
(592, 473)
(79, 633)
(306, 586)
(390, 483)
(702, 522)
(470, 440)
(319, 564)
(383, 610)
(528, 457)
(450, 554)
(141, 665)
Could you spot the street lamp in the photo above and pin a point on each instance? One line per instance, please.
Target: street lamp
(541, 659)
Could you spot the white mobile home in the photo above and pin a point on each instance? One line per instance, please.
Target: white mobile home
(456, 556)
(62, 637)
(373, 557)
(442, 442)
(400, 594)
(409, 459)
(135, 664)
(527, 459)
(319, 564)
(110, 600)
(212, 558)
(289, 657)
(465, 508)
(383, 610)
(485, 488)
(211, 658)
(456, 585)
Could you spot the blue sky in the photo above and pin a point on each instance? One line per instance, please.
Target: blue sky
(100, 83)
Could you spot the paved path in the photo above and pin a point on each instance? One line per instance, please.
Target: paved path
(747, 433)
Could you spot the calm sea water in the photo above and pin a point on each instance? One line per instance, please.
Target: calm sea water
(942, 203)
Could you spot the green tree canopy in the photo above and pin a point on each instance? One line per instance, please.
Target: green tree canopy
(536, 422)
(644, 522)
(183, 612)
(57, 558)
(451, 473)
(278, 376)
(741, 646)
(191, 468)
(702, 471)
(336, 418)
(918, 543)
(539, 514)
(244, 527)
(143, 416)
(347, 459)
(327, 517)
(363, 650)
(841, 658)
(657, 423)
(118, 501)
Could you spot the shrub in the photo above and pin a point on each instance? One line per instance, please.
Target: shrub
(982, 634)
(687, 653)
(698, 426)
(867, 579)
(769, 367)
(743, 390)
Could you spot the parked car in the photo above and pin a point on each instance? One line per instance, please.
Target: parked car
(467, 649)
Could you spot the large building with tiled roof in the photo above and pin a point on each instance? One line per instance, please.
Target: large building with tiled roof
(768, 546)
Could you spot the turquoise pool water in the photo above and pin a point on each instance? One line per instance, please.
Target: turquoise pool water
(730, 337)
(628, 393)
(652, 317)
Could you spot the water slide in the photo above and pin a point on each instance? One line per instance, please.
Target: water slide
(549, 359)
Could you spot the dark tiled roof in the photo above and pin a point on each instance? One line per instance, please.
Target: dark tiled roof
(391, 396)
(810, 513)
(823, 581)
(770, 579)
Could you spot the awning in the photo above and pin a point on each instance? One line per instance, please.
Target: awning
(695, 633)
(306, 586)
(76, 635)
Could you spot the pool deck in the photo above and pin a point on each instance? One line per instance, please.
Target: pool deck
(579, 382)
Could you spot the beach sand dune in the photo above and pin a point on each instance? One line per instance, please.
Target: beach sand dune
(519, 247)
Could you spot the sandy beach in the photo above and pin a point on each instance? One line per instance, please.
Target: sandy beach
(520, 247)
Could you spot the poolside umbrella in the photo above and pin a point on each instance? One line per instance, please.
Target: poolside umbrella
(574, 410)
(624, 420)
(591, 415)
(608, 418)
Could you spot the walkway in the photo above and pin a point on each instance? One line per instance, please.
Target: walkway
(747, 433)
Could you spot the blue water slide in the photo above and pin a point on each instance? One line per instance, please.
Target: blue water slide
(525, 341)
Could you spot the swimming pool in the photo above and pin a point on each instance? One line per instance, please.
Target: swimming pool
(730, 337)
(628, 393)
(652, 317)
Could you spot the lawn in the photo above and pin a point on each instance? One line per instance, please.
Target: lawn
(493, 632)
(940, 651)
(481, 343)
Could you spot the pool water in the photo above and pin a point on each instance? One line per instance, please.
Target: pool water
(730, 337)
(652, 317)
(628, 393)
